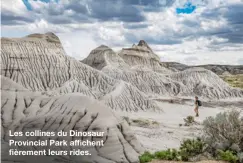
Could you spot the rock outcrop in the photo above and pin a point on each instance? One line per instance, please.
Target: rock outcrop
(40, 64)
(43, 88)
(142, 55)
(141, 67)
(138, 75)
(24, 110)
(205, 83)
(103, 56)
(174, 66)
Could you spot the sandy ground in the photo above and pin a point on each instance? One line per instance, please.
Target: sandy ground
(169, 134)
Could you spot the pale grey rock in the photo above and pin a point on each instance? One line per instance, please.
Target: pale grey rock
(43, 88)
(205, 83)
(140, 67)
(174, 66)
(39, 64)
(141, 76)
(103, 56)
(24, 110)
(142, 55)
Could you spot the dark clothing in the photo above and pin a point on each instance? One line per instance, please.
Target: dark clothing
(196, 107)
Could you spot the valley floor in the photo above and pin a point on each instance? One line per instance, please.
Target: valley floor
(164, 130)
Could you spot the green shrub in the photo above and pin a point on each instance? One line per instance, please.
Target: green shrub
(224, 132)
(170, 154)
(222, 139)
(144, 123)
(227, 156)
(146, 157)
(184, 155)
(162, 155)
(155, 123)
(189, 120)
(191, 147)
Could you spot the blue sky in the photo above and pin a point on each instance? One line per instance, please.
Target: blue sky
(28, 5)
(188, 8)
(187, 31)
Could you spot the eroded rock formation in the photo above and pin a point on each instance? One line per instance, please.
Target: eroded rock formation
(44, 89)
(39, 64)
(24, 110)
(141, 67)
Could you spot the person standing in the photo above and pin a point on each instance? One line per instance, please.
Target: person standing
(197, 104)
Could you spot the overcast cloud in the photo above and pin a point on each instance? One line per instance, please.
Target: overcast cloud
(187, 31)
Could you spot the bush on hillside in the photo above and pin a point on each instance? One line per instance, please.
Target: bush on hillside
(146, 157)
(170, 154)
(222, 138)
(192, 147)
(228, 156)
(224, 132)
(189, 120)
(189, 148)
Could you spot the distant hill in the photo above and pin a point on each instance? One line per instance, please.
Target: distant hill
(142, 68)
(218, 69)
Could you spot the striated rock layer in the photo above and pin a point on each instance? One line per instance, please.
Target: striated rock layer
(141, 67)
(24, 110)
(205, 83)
(39, 64)
(42, 88)
(142, 55)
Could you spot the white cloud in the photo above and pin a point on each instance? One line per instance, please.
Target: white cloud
(205, 34)
(16, 7)
(200, 58)
(38, 5)
(42, 26)
(78, 44)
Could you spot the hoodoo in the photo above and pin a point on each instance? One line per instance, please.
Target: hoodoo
(142, 43)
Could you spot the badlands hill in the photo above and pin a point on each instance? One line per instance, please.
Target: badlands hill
(40, 64)
(142, 68)
(43, 88)
(218, 69)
